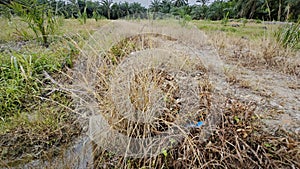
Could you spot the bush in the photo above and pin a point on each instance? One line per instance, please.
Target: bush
(225, 20)
(40, 17)
(19, 80)
(289, 35)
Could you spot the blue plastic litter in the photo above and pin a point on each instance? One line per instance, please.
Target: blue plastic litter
(199, 124)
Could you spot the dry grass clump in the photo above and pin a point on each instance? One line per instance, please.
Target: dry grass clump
(264, 53)
(231, 136)
(154, 90)
(134, 43)
(25, 141)
(237, 142)
(232, 77)
(159, 83)
(141, 98)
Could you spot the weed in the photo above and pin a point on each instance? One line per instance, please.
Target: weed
(225, 19)
(37, 117)
(244, 21)
(39, 17)
(229, 29)
(255, 50)
(245, 84)
(230, 76)
(159, 83)
(289, 35)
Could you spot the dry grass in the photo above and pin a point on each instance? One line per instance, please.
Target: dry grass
(257, 53)
(151, 81)
(151, 87)
(237, 142)
(31, 135)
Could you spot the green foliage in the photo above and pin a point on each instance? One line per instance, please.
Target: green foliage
(185, 20)
(255, 30)
(33, 111)
(228, 29)
(6, 12)
(244, 21)
(289, 35)
(96, 15)
(84, 15)
(16, 75)
(19, 81)
(252, 9)
(164, 152)
(225, 20)
(39, 17)
(258, 21)
(199, 12)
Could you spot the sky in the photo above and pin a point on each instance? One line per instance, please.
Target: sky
(146, 3)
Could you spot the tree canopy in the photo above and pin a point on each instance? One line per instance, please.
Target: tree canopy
(280, 10)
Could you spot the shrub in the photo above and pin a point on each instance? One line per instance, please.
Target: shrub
(225, 20)
(40, 17)
(289, 35)
(20, 79)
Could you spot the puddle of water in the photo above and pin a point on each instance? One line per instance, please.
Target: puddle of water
(78, 155)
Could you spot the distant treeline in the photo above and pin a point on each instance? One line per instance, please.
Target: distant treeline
(280, 10)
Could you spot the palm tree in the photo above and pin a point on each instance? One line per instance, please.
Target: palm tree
(166, 6)
(203, 2)
(279, 9)
(136, 8)
(268, 9)
(124, 7)
(179, 3)
(107, 6)
(289, 5)
(40, 17)
(216, 10)
(248, 8)
(74, 7)
(155, 6)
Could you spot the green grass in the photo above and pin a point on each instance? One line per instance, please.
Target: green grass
(20, 78)
(35, 116)
(27, 104)
(289, 35)
(250, 30)
(13, 30)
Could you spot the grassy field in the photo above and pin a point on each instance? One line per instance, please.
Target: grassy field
(36, 116)
(37, 111)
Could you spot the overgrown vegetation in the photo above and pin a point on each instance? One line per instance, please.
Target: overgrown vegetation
(37, 110)
(238, 141)
(40, 18)
(289, 35)
(36, 116)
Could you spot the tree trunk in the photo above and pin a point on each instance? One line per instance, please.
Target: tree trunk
(279, 11)
(269, 10)
(44, 37)
(108, 13)
(288, 12)
(253, 9)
